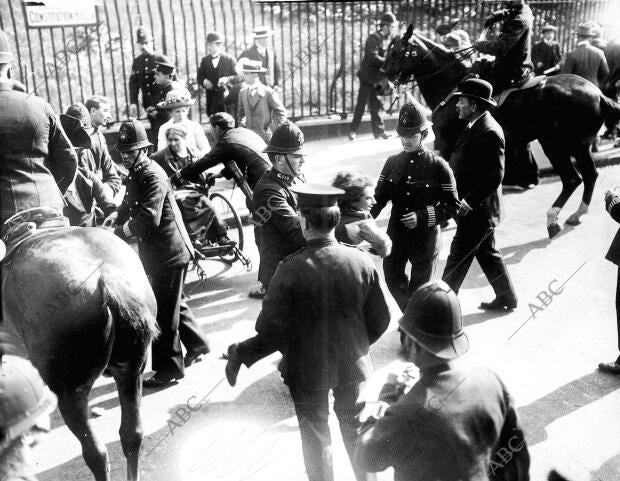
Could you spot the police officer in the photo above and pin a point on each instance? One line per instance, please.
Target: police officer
(422, 189)
(37, 161)
(370, 76)
(278, 233)
(25, 405)
(150, 214)
(512, 48)
(142, 76)
(323, 310)
(458, 421)
(164, 81)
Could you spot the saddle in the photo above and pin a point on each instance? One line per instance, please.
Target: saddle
(25, 224)
(528, 82)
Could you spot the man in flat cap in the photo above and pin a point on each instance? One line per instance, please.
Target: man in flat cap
(370, 76)
(422, 190)
(546, 52)
(215, 74)
(323, 310)
(458, 421)
(38, 162)
(142, 78)
(264, 53)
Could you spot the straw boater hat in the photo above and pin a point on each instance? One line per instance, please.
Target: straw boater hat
(262, 32)
(252, 66)
(176, 98)
(549, 28)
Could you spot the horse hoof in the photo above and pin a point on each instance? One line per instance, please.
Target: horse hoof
(553, 230)
(573, 220)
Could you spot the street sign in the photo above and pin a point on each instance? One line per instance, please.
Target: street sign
(60, 13)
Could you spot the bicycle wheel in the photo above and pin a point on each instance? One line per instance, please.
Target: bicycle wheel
(231, 222)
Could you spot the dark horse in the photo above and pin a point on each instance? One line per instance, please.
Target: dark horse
(564, 113)
(77, 300)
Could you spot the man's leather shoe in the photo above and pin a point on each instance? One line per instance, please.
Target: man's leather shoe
(192, 357)
(499, 304)
(160, 380)
(383, 136)
(352, 135)
(610, 367)
(233, 365)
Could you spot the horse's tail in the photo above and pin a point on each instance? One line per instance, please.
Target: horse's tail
(128, 307)
(610, 109)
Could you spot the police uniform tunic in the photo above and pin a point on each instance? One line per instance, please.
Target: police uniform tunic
(142, 78)
(419, 182)
(324, 308)
(278, 231)
(148, 212)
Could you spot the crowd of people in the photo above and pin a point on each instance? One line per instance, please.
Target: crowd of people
(323, 303)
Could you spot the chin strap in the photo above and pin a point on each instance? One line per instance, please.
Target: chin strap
(301, 177)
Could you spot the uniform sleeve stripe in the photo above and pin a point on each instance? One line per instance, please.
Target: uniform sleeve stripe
(126, 230)
(431, 215)
(614, 201)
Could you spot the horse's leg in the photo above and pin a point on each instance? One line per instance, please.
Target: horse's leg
(73, 406)
(560, 159)
(586, 167)
(130, 393)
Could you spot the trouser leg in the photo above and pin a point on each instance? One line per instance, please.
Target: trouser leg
(462, 251)
(375, 118)
(312, 411)
(360, 106)
(167, 355)
(394, 270)
(424, 258)
(492, 264)
(190, 333)
(254, 349)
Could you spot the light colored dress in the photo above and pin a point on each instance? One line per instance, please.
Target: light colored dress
(196, 138)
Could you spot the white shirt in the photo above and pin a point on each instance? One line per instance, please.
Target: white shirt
(215, 61)
(196, 137)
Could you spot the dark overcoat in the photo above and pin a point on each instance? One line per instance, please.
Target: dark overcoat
(37, 161)
(588, 62)
(142, 78)
(456, 423)
(243, 146)
(545, 55)
(478, 165)
(149, 212)
(225, 68)
(324, 308)
(374, 56)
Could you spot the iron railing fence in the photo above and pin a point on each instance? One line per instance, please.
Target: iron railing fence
(319, 43)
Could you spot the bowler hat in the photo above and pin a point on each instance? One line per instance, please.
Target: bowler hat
(549, 28)
(79, 111)
(214, 37)
(176, 98)
(477, 89)
(388, 18)
(433, 319)
(143, 35)
(262, 32)
(585, 30)
(316, 195)
(6, 55)
(252, 66)
(132, 136)
(412, 119)
(286, 139)
(72, 126)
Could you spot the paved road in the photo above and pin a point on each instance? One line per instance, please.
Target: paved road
(202, 429)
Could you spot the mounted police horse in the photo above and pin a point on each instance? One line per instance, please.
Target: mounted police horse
(564, 113)
(78, 301)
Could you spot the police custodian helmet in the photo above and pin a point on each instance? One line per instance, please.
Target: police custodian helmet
(132, 136)
(24, 398)
(287, 139)
(412, 119)
(433, 319)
